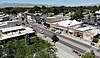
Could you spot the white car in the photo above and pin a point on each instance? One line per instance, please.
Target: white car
(58, 32)
(41, 31)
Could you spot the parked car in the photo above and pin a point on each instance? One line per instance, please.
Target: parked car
(53, 30)
(92, 44)
(78, 53)
(92, 52)
(58, 32)
(41, 31)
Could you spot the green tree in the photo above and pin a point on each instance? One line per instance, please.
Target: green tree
(43, 7)
(10, 49)
(36, 8)
(31, 10)
(96, 38)
(54, 38)
(46, 53)
(87, 55)
(77, 15)
(1, 51)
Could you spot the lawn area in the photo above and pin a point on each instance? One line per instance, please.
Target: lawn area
(19, 48)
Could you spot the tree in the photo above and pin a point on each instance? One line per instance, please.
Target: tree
(32, 10)
(96, 38)
(87, 55)
(46, 53)
(43, 7)
(54, 38)
(1, 51)
(77, 15)
(36, 8)
(10, 49)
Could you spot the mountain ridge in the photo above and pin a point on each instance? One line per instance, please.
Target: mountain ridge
(3, 5)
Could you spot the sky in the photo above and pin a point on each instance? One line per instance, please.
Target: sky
(55, 2)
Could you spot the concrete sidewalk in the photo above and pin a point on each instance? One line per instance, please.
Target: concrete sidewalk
(63, 54)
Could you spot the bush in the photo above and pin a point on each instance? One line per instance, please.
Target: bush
(54, 38)
(87, 55)
(95, 40)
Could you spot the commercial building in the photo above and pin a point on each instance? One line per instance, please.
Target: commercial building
(6, 24)
(66, 24)
(3, 17)
(50, 20)
(75, 28)
(97, 14)
(17, 32)
(83, 32)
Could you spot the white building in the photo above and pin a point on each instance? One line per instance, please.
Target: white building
(67, 23)
(3, 17)
(97, 14)
(17, 32)
(6, 24)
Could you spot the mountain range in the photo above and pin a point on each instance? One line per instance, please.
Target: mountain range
(3, 5)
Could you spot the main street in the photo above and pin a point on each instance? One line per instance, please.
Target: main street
(81, 47)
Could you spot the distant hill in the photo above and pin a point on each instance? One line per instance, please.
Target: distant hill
(98, 4)
(3, 5)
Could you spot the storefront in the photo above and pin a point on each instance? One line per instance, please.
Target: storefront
(79, 34)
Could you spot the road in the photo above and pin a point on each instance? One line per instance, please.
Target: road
(81, 47)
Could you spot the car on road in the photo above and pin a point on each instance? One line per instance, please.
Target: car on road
(92, 52)
(41, 31)
(78, 53)
(31, 26)
(58, 32)
(53, 30)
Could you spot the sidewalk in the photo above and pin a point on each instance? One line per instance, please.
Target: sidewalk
(76, 38)
(63, 54)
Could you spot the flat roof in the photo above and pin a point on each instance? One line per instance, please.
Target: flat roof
(97, 12)
(84, 28)
(28, 30)
(1, 19)
(67, 23)
(11, 28)
(15, 35)
(95, 31)
(3, 23)
(50, 17)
